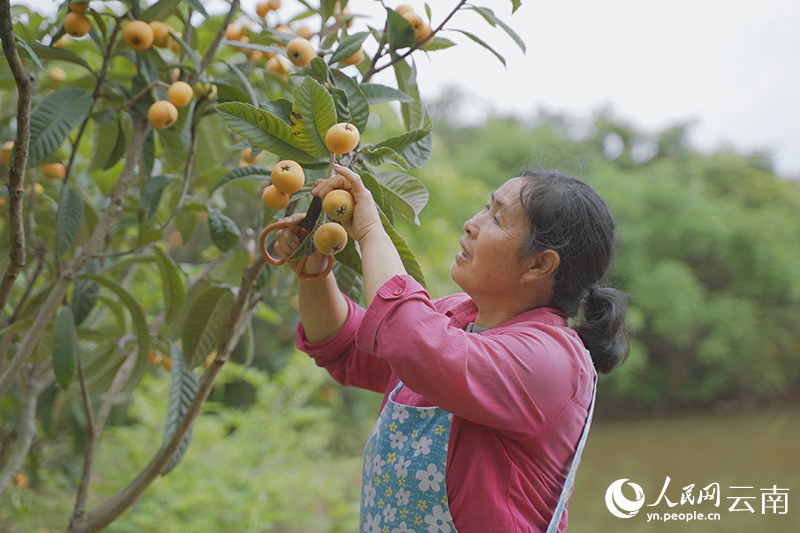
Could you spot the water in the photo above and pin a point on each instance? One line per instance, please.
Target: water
(752, 451)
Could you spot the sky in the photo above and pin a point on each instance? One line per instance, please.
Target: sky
(729, 68)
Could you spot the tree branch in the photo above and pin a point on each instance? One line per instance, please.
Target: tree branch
(26, 429)
(25, 84)
(112, 212)
(241, 313)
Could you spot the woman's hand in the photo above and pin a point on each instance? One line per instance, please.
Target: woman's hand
(287, 240)
(365, 214)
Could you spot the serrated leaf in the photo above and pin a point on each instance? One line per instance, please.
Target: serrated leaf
(406, 255)
(348, 46)
(172, 286)
(84, 293)
(478, 40)
(399, 142)
(377, 156)
(150, 197)
(197, 6)
(250, 172)
(137, 315)
(53, 119)
(264, 130)
(438, 43)
(65, 347)
(515, 5)
(348, 280)
(313, 113)
(251, 92)
(407, 194)
(204, 324)
(418, 153)
(379, 94)
(357, 103)
(58, 54)
(182, 391)
(224, 231)
(70, 218)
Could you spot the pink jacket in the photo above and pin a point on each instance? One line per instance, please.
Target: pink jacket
(519, 393)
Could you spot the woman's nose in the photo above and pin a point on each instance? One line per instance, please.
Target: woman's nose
(470, 226)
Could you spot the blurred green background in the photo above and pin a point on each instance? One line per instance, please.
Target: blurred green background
(709, 251)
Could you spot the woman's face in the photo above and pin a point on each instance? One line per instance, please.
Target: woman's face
(488, 263)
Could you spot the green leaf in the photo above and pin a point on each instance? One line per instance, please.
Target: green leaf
(205, 323)
(137, 315)
(70, 218)
(171, 284)
(348, 277)
(378, 156)
(53, 119)
(161, 10)
(407, 82)
(28, 52)
(224, 231)
(84, 293)
(51, 53)
(357, 103)
(406, 255)
(438, 43)
(148, 234)
(407, 194)
(65, 347)
(482, 43)
(399, 142)
(379, 94)
(264, 130)
(251, 92)
(492, 19)
(348, 46)
(150, 197)
(313, 113)
(418, 153)
(182, 391)
(400, 31)
(515, 5)
(250, 172)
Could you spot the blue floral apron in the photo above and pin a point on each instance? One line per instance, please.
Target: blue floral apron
(403, 488)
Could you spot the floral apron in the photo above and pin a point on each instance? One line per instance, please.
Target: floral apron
(403, 488)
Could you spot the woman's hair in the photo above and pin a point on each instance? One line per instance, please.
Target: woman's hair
(566, 215)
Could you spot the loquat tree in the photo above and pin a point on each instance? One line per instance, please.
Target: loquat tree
(150, 144)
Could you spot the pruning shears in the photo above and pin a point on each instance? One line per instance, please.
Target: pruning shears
(303, 229)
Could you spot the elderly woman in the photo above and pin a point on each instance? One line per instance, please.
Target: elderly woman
(487, 393)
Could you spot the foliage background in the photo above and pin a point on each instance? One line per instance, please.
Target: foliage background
(708, 251)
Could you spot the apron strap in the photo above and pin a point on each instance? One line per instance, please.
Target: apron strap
(573, 469)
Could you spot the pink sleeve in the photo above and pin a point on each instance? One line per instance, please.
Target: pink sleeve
(515, 381)
(340, 356)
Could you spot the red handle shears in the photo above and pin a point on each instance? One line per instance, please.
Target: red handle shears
(303, 229)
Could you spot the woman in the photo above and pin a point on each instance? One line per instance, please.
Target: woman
(486, 392)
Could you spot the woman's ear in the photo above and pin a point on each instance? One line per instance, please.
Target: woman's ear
(543, 265)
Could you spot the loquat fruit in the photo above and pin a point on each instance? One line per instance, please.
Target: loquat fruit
(288, 176)
(167, 363)
(262, 8)
(63, 41)
(275, 199)
(403, 9)
(330, 238)
(180, 93)
(423, 34)
(274, 5)
(53, 171)
(161, 36)
(56, 74)
(415, 20)
(300, 51)
(154, 358)
(21, 480)
(78, 7)
(279, 65)
(338, 204)
(354, 59)
(305, 32)
(138, 35)
(342, 138)
(77, 24)
(247, 157)
(233, 32)
(162, 114)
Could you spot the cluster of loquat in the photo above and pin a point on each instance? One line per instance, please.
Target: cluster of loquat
(288, 178)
